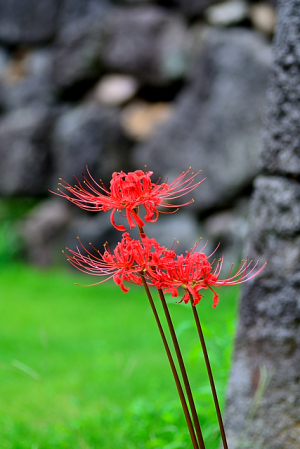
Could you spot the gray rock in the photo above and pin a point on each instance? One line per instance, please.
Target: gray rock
(263, 395)
(140, 119)
(278, 201)
(78, 52)
(131, 2)
(193, 8)
(91, 228)
(227, 13)
(181, 227)
(230, 75)
(115, 90)
(282, 137)
(27, 22)
(27, 81)
(34, 22)
(88, 135)
(41, 229)
(263, 17)
(97, 229)
(4, 57)
(24, 151)
(148, 42)
(228, 229)
(72, 10)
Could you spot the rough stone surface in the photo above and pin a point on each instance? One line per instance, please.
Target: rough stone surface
(115, 90)
(182, 227)
(27, 22)
(41, 228)
(26, 80)
(97, 229)
(25, 151)
(140, 120)
(3, 64)
(64, 55)
(282, 140)
(132, 2)
(263, 401)
(228, 229)
(193, 8)
(263, 16)
(227, 13)
(88, 135)
(148, 42)
(230, 75)
(78, 51)
(267, 352)
(280, 213)
(72, 10)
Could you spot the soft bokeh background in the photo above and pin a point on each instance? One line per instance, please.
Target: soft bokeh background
(116, 85)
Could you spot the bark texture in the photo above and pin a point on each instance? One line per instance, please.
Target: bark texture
(263, 401)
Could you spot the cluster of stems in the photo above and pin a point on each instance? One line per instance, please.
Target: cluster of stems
(192, 421)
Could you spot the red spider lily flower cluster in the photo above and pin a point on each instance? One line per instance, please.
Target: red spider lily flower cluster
(133, 259)
(145, 262)
(126, 262)
(161, 268)
(128, 191)
(193, 272)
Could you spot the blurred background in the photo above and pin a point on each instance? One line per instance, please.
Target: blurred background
(115, 85)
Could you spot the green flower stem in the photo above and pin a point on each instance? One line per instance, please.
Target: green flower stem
(173, 367)
(183, 370)
(209, 371)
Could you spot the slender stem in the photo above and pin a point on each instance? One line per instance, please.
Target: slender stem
(210, 375)
(180, 361)
(183, 371)
(173, 367)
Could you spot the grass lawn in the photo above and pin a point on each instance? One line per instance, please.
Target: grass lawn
(84, 368)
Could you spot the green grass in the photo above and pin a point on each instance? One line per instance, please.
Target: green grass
(84, 368)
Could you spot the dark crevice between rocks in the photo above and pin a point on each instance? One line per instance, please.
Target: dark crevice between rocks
(154, 94)
(289, 176)
(76, 92)
(147, 92)
(230, 203)
(12, 47)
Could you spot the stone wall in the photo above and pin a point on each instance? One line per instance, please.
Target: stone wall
(263, 406)
(119, 84)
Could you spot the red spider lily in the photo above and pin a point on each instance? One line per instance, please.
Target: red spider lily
(126, 262)
(194, 272)
(161, 267)
(129, 191)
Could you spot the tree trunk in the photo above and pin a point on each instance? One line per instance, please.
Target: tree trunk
(263, 400)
